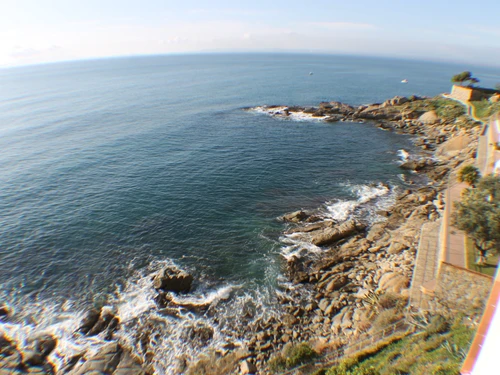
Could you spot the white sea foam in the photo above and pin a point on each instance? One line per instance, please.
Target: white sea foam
(283, 112)
(38, 318)
(298, 245)
(173, 339)
(404, 155)
(341, 210)
(368, 200)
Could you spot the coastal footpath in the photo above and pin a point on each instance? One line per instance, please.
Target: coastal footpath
(358, 284)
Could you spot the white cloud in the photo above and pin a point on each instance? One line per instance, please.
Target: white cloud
(344, 26)
(95, 39)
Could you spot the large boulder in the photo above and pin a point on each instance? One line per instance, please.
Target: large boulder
(104, 362)
(331, 235)
(97, 321)
(45, 344)
(393, 282)
(89, 320)
(429, 118)
(417, 165)
(336, 283)
(172, 279)
(110, 359)
(247, 368)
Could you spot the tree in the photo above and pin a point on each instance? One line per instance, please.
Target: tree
(478, 215)
(472, 81)
(491, 186)
(469, 174)
(464, 77)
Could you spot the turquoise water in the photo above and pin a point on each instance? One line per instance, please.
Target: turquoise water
(110, 165)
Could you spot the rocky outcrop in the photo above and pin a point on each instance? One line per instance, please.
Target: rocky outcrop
(30, 360)
(97, 321)
(172, 279)
(111, 359)
(330, 235)
(295, 217)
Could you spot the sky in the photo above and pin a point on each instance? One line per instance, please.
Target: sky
(39, 31)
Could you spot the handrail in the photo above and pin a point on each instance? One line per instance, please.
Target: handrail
(334, 356)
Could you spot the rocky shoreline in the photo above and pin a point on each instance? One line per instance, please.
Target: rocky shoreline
(357, 283)
(361, 281)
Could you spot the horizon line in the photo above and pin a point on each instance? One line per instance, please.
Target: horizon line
(250, 52)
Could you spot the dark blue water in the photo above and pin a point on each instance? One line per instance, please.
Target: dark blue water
(109, 165)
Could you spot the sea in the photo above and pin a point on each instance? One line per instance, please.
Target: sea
(111, 169)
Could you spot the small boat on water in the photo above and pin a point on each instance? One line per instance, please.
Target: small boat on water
(404, 81)
(311, 73)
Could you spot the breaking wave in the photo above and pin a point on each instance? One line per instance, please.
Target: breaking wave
(283, 112)
(210, 318)
(368, 201)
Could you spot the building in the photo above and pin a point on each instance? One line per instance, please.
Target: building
(468, 94)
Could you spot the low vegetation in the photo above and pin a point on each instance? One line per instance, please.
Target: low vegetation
(292, 356)
(439, 349)
(469, 174)
(447, 109)
(484, 108)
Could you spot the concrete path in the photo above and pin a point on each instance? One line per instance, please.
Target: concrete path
(455, 239)
(427, 262)
(439, 242)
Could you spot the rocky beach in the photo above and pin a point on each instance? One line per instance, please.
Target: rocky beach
(345, 277)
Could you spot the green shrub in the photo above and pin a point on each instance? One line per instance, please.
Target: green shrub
(277, 363)
(345, 368)
(291, 357)
(469, 174)
(340, 369)
(299, 354)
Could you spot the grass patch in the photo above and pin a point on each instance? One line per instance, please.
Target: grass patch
(484, 109)
(489, 268)
(447, 109)
(291, 357)
(440, 350)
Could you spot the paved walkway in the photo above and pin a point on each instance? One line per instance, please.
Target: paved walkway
(439, 242)
(427, 262)
(454, 244)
